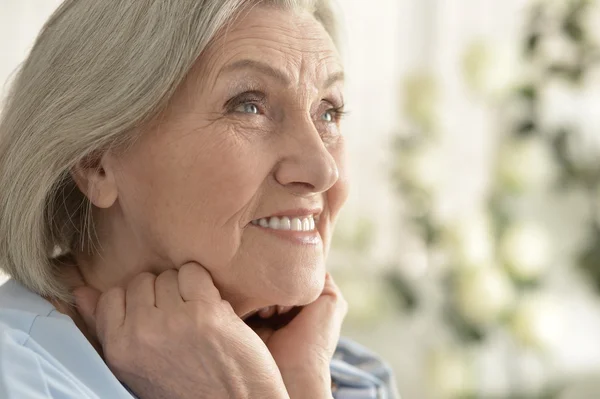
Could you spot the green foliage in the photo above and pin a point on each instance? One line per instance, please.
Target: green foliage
(573, 174)
(420, 199)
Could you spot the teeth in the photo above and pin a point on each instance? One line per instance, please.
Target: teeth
(285, 223)
(296, 224)
(274, 223)
(267, 312)
(283, 309)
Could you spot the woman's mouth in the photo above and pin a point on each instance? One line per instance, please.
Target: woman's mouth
(301, 229)
(285, 223)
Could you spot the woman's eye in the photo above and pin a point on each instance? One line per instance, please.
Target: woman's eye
(247, 108)
(328, 116)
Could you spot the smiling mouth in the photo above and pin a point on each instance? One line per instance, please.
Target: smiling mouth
(305, 223)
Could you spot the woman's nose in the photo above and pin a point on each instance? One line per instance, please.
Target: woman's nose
(306, 166)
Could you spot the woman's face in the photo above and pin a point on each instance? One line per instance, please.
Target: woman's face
(251, 135)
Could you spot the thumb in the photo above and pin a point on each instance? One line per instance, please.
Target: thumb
(327, 312)
(86, 299)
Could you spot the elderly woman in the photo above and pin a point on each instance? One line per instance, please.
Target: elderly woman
(171, 172)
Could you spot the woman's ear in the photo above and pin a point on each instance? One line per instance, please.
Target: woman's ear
(95, 177)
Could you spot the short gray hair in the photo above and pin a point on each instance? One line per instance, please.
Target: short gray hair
(98, 71)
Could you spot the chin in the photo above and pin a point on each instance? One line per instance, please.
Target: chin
(304, 285)
(299, 287)
(307, 291)
(293, 293)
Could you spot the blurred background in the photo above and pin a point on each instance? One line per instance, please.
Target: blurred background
(469, 250)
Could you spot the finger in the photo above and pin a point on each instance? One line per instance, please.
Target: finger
(86, 300)
(264, 333)
(110, 313)
(167, 290)
(328, 312)
(140, 292)
(332, 302)
(196, 284)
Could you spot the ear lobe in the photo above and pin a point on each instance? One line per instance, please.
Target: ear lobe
(96, 180)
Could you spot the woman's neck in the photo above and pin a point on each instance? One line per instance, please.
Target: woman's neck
(72, 277)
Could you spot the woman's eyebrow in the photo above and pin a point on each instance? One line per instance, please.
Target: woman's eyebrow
(338, 76)
(273, 72)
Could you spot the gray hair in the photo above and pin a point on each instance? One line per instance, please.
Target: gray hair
(98, 71)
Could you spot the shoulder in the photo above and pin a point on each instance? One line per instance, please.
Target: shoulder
(357, 372)
(44, 355)
(26, 372)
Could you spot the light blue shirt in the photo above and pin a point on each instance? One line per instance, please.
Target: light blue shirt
(43, 355)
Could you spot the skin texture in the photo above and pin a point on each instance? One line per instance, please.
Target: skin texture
(239, 142)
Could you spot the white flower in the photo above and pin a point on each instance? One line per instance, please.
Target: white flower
(484, 295)
(422, 167)
(568, 106)
(525, 250)
(492, 68)
(537, 322)
(559, 103)
(584, 149)
(526, 163)
(450, 373)
(472, 241)
(558, 49)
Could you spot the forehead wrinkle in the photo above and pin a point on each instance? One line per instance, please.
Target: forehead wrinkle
(296, 48)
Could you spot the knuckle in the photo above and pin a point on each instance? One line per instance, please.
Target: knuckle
(146, 277)
(166, 275)
(141, 279)
(211, 317)
(194, 270)
(336, 300)
(144, 330)
(107, 297)
(114, 291)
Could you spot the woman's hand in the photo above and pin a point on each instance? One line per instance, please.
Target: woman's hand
(303, 349)
(173, 336)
